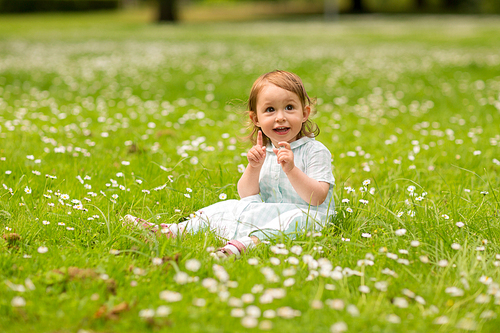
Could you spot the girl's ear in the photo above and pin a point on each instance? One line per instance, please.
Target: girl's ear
(306, 114)
(253, 117)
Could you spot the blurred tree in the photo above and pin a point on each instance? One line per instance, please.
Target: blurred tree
(464, 6)
(358, 7)
(167, 11)
(30, 6)
(331, 9)
(451, 4)
(420, 4)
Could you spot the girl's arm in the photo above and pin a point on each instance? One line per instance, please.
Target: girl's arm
(249, 182)
(309, 189)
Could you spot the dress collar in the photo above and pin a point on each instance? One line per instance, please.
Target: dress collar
(293, 145)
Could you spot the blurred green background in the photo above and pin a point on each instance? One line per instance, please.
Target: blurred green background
(175, 10)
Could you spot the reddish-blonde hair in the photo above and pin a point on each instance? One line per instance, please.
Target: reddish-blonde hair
(288, 81)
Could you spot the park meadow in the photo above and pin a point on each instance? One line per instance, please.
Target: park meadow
(108, 114)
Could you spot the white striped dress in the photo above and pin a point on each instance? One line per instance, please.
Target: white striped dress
(277, 209)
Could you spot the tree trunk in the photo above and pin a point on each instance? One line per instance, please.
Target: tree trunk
(167, 11)
(357, 6)
(451, 5)
(331, 9)
(420, 4)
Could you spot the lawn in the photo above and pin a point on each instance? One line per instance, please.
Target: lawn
(107, 114)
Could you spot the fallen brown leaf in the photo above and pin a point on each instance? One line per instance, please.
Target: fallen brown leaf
(11, 238)
(122, 307)
(81, 273)
(176, 257)
(101, 311)
(113, 314)
(111, 286)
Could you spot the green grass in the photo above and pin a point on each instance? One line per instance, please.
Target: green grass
(402, 101)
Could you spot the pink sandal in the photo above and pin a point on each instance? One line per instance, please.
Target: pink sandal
(234, 247)
(172, 230)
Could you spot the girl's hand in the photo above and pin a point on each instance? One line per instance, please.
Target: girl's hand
(285, 156)
(257, 154)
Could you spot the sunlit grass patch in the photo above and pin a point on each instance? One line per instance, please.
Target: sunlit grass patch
(149, 121)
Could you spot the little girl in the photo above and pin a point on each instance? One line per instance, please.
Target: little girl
(288, 183)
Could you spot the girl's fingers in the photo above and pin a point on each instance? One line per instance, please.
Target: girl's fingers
(278, 155)
(284, 144)
(250, 156)
(256, 154)
(259, 153)
(259, 139)
(284, 156)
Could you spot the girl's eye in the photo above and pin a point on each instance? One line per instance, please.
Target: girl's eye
(270, 109)
(289, 107)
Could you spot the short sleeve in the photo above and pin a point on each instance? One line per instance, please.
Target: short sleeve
(318, 161)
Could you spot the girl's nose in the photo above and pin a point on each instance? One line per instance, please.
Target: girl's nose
(280, 116)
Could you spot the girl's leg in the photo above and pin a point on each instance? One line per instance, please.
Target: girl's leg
(289, 223)
(169, 230)
(217, 218)
(137, 222)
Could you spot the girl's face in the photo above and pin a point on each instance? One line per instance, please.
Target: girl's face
(280, 114)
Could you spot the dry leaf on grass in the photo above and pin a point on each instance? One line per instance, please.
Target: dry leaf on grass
(103, 312)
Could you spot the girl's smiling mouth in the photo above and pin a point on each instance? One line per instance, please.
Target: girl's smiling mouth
(281, 130)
